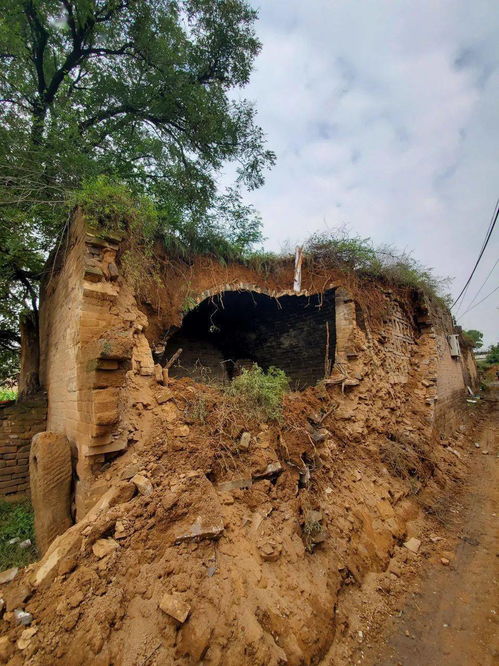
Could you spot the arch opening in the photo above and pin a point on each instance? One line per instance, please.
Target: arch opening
(235, 329)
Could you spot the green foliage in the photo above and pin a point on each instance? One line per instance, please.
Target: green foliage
(337, 249)
(189, 303)
(491, 359)
(21, 263)
(492, 355)
(260, 393)
(474, 337)
(263, 262)
(132, 101)
(7, 394)
(16, 521)
(110, 205)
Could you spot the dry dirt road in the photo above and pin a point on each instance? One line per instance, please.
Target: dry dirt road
(454, 620)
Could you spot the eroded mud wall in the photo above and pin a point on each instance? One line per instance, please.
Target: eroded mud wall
(97, 338)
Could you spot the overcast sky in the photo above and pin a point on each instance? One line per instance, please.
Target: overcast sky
(385, 117)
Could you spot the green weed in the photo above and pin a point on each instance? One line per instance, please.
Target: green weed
(7, 394)
(337, 249)
(197, 410)
(260, 393)
(16, 521)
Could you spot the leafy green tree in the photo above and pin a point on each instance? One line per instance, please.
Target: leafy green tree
(476, 337)
(139, 91)
(492, 357)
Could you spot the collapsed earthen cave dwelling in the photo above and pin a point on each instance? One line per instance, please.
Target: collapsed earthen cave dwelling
(176, 528)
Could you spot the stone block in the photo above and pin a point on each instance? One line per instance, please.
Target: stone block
(142, 357)
(25, 638)
(144, 486)
(105, 379)
(98, 449)
(158, 373)
(103, 547)
(113, 271)
(8, 575)
(65, 545)
(235, 484)
(272, 469)
(244, 441)
(204, 527)
(93, 273)
(106, 417)
(101, 434)
(175, 607)
(105, 398)
(102, 291)
(116, 345)
(163, 395)
(199, 510)
(413, 544)
(50, 479)
(130, 470)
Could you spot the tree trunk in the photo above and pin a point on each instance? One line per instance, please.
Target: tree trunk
(29, 379)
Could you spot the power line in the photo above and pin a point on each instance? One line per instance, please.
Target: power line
(483, 284)
(485, 243)
(483, 299)
(481, 250)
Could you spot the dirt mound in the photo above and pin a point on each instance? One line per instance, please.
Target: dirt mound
(223, 540)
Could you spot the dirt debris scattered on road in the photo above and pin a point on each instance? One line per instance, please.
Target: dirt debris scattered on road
(285, 551)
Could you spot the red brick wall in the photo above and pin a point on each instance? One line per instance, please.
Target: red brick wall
(18, 423)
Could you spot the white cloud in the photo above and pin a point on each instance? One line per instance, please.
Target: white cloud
(383, 116)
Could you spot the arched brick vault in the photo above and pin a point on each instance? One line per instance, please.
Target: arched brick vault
(308, 335)
(97, 330)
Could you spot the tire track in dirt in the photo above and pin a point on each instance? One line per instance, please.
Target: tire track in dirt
(455, 619)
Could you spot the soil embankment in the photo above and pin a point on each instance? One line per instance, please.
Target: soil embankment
(291, 546)
(454, 619)
(439, 608)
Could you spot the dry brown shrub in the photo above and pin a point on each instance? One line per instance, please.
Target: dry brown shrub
(406, 458)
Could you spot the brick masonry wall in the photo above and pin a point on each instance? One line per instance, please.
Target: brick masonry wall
(200, 360)
(291, 333)
(18, 423)
(294, 338)
(81, 372)
(91, 336)
(451, 385)
(470, 370)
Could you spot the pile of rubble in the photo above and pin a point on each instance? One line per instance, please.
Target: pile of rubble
(226, 545)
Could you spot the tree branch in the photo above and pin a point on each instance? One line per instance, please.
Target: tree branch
(40, 38)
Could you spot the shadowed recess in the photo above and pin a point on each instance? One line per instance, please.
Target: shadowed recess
(235, 329)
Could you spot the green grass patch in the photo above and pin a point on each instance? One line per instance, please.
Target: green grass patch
(7, 394)
(260, 393)
(16, 522)
(338, 249)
